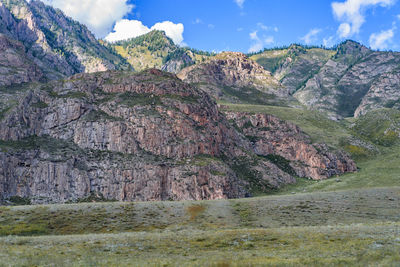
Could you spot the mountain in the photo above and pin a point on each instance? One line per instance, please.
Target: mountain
(44, 41)
(345, 82)
(234, 78)
(145, 136)
(156, 50)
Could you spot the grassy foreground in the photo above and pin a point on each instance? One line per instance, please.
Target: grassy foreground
(358, 227)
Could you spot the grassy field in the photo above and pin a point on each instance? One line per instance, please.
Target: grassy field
(356, 227)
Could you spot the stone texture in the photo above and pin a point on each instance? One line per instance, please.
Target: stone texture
(15, 67)
(126, 136)
(234, 77)
(272, 136)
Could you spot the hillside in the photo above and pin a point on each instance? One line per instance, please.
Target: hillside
(156, 50)
(48, 42)
(145, 136)
(345, 82)
(234, 78)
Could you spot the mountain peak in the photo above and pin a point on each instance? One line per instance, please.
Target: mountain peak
(351, 47)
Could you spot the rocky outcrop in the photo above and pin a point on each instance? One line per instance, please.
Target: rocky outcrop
(15, 67)
(383, 93)
(286, 144)
(235, 78)
(177, 63)
(126, 136)
(294, 65)
(348, 81)
(56, 44)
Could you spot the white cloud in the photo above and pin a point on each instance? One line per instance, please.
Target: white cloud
(211, 26)
(263, 27)
(352, 14)
(125, 29)
(329, 41)
(98, 15)
(239, 29)
(344, 30)
(240, 3)
(172, 30)
(258, 43)
(311, 36)
(254, 36)
(269, 40)
(381, 40)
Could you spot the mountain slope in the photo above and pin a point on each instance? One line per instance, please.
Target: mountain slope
(345, 82)
(294, 65)
(56, 44)
(141, 136)
(235, 78)
(156, 50)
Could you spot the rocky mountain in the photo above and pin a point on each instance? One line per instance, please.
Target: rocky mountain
(156, 50)
(233, 77)
(345, 82)
(145, 136)
(41, 43)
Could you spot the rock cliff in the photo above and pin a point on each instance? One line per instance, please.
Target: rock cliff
(125, 136)
(233, 77)
(286, 145)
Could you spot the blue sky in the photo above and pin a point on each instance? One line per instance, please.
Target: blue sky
(246, 25)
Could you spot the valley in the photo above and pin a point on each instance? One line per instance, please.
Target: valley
(145, 152)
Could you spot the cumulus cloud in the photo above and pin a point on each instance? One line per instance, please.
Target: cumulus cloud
(311, 36)
(98, 15)
(351, 14)
(258, 43)
(172, 30)
(239, 3)
(381, 40)
(125, 29)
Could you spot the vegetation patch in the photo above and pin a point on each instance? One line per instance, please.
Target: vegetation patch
(132, 99)
(281, 162)
(100, 115)
(3, 112)
(248, 95)
(17, 200)
(40, 104)
(243, 167)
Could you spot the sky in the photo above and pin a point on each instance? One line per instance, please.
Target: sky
(243, 25)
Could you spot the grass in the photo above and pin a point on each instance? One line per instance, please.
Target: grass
(356, 228)
(354, 245)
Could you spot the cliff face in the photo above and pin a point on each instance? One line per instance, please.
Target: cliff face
(235, 78)
(125, 136)
(15, 66)
(57, 45)
(286, 144)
